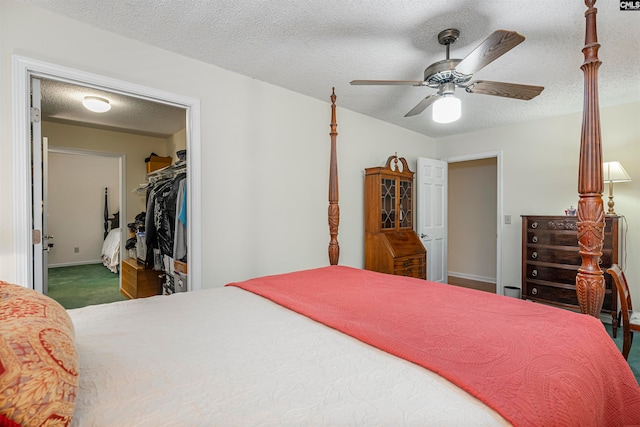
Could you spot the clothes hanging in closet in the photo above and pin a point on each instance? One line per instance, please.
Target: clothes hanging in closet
(163, 204)
(180, 234)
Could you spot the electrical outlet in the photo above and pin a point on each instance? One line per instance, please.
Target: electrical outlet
(507, 219)
(76, 250)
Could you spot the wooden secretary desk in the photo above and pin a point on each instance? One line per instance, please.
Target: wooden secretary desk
(391, 244)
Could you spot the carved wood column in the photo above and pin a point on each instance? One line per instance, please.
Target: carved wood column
(334, 209)
(590, 286)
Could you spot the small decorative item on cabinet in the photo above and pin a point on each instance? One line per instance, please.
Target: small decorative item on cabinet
(391, 244)
(551, 258)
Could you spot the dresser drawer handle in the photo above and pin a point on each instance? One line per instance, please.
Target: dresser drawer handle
(534, 291)
(534, 224)
(534, 239)
(534, 255)
(534, 273)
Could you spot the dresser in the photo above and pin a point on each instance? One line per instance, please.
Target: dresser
(391, 244)
(551, 258)
(137, 281)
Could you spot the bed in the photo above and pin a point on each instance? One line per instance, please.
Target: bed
(365, 352)
(110, 253)
(333, 345)
(244, 355)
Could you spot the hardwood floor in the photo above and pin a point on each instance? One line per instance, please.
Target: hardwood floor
(473, 284)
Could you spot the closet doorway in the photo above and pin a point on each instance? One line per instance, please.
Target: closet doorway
(83, 252)
(25, 70)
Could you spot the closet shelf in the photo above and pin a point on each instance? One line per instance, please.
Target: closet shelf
(168, 171)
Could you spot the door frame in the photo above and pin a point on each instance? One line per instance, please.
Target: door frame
(499, 225)
(23, 68)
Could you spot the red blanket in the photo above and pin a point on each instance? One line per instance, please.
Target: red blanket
(535, 365)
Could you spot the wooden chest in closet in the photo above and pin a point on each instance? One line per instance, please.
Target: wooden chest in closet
(137, 281)
(551, 258)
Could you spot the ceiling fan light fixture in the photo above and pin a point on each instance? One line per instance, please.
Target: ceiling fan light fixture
(96, 104)
(447, 109)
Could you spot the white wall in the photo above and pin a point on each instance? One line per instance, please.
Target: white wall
(175, 143)
(540, 174)
(135, 148)
(76, 205)
(265, 150)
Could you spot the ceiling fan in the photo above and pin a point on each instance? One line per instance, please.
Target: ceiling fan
(445, 75)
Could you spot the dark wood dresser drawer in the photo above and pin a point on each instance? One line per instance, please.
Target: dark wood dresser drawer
(553, 254)
(559, 274)
(553, 294)
(563, 255)
(559, 238)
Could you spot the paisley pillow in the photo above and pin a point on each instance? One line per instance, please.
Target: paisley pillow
(38, 359)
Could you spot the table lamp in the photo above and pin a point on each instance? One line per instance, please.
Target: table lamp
(613, 172)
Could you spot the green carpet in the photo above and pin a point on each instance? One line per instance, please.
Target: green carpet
(82, 285)
(634, 354)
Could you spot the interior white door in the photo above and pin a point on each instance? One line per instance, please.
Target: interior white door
(431, 215)
(47, 242)
(37, 163)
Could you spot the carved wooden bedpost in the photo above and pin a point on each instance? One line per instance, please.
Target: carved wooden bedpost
(334, 209)
(590, 287)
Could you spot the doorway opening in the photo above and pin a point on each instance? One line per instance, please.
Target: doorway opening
(84, 202)
(24, 69)
(474, 221)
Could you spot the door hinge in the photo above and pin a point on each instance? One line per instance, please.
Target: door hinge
(35, 115)
(36, 237)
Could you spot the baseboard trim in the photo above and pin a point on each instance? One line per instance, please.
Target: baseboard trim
(472, 277)
(72, 264)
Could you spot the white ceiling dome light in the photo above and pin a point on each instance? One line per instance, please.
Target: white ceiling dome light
(96, 104)
(447, 109)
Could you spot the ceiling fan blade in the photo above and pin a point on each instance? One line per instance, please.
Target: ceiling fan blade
(422, 105)
(507, 90)
(389, 82)
(492, 48)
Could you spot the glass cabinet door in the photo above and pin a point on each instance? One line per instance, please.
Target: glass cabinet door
(405, 208)
(388, 204)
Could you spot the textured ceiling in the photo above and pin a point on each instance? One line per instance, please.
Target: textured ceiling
(308, 46)
(62, 103)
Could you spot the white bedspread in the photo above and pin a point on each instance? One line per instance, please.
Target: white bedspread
(228, 357)
(111, 250)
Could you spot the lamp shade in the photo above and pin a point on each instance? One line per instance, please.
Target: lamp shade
(614, 172)
(447, 109)
(96, 104)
